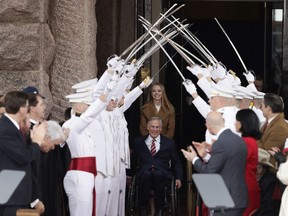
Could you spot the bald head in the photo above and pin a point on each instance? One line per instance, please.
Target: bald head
(214, 122)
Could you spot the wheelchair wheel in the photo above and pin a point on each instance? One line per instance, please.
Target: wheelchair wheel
(132, 198)
(175, 201)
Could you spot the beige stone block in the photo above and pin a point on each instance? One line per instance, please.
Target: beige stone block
(23, 10)
(18, 80)
(73, 25)
(25, 46)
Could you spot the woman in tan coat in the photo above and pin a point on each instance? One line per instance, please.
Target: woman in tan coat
(158, 105)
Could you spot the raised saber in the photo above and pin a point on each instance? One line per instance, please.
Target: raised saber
(185, 50)
(196, 42)
(155, 47)
(191, 40)
(143, 44)
(140, 39)
(165, 53)
(246, 71)
(169, 12)
(181, 52)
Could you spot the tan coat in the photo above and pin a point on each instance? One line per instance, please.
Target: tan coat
(168, 120)
(274, 135)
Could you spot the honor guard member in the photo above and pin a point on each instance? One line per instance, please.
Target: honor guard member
(112, 152)
(221, 100)
(80, 179)
(247, 101)
(124, 103)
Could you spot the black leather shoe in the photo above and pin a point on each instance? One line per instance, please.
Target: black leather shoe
(143, 212)
(159, 213)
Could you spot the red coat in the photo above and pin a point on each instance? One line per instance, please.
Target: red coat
(250, 175)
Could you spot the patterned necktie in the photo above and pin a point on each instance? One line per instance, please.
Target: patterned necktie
(153, 147)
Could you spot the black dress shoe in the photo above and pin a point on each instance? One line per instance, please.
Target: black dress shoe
(159, 213)
(143, 212)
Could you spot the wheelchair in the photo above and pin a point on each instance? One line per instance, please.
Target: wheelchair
(172, 201)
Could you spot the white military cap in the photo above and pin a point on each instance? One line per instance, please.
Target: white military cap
(86, 85)
(247, 93)
(252, 87)
(259, 95)
(81, 97)
(239, 95)
(219, 90)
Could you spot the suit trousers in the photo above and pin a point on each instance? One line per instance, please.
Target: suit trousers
(151, 179)
(11, 210)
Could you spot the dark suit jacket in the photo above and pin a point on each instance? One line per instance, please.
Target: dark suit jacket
(15, 154)
(228, 159)
(166, 159)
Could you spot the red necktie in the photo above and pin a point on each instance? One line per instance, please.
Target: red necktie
(153, 147)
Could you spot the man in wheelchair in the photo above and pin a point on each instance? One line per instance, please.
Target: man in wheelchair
(158, 161)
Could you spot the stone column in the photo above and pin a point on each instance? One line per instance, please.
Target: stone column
(27, 46)
(73, 25)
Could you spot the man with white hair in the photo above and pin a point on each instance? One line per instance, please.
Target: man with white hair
(221, 100)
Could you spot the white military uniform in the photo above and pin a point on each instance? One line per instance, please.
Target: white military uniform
(79, 180)
(115, 158)
(229, 112)
(78, 184)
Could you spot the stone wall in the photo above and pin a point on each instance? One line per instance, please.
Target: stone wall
(49, 44)
(27, 46)
(73, 25)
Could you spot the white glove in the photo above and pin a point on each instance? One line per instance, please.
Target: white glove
(129, 85)
(189, 86)
(146, 82)
(110, 86)
(112, 61)
(237, 81)
(206, 71)
(219, 72)
(116, 73)
(195, 69)
(249, 76)
(130, 70)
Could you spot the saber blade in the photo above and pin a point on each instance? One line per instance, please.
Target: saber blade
(232, 45)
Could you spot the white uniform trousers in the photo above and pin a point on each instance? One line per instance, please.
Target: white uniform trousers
(107, 195)
(103, 185)
(79, 187)
(122, 190)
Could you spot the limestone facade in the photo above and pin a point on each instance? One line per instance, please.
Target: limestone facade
(49, 44)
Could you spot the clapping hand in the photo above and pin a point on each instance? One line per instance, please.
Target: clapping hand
(189, 155)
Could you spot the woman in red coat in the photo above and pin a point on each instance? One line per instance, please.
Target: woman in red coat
(247, 123)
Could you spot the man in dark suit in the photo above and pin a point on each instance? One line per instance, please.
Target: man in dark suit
(15, 154)
(228, 159)
(156, 165)
(47, 193)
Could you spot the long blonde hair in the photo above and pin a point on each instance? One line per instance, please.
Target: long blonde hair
(165, 103)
